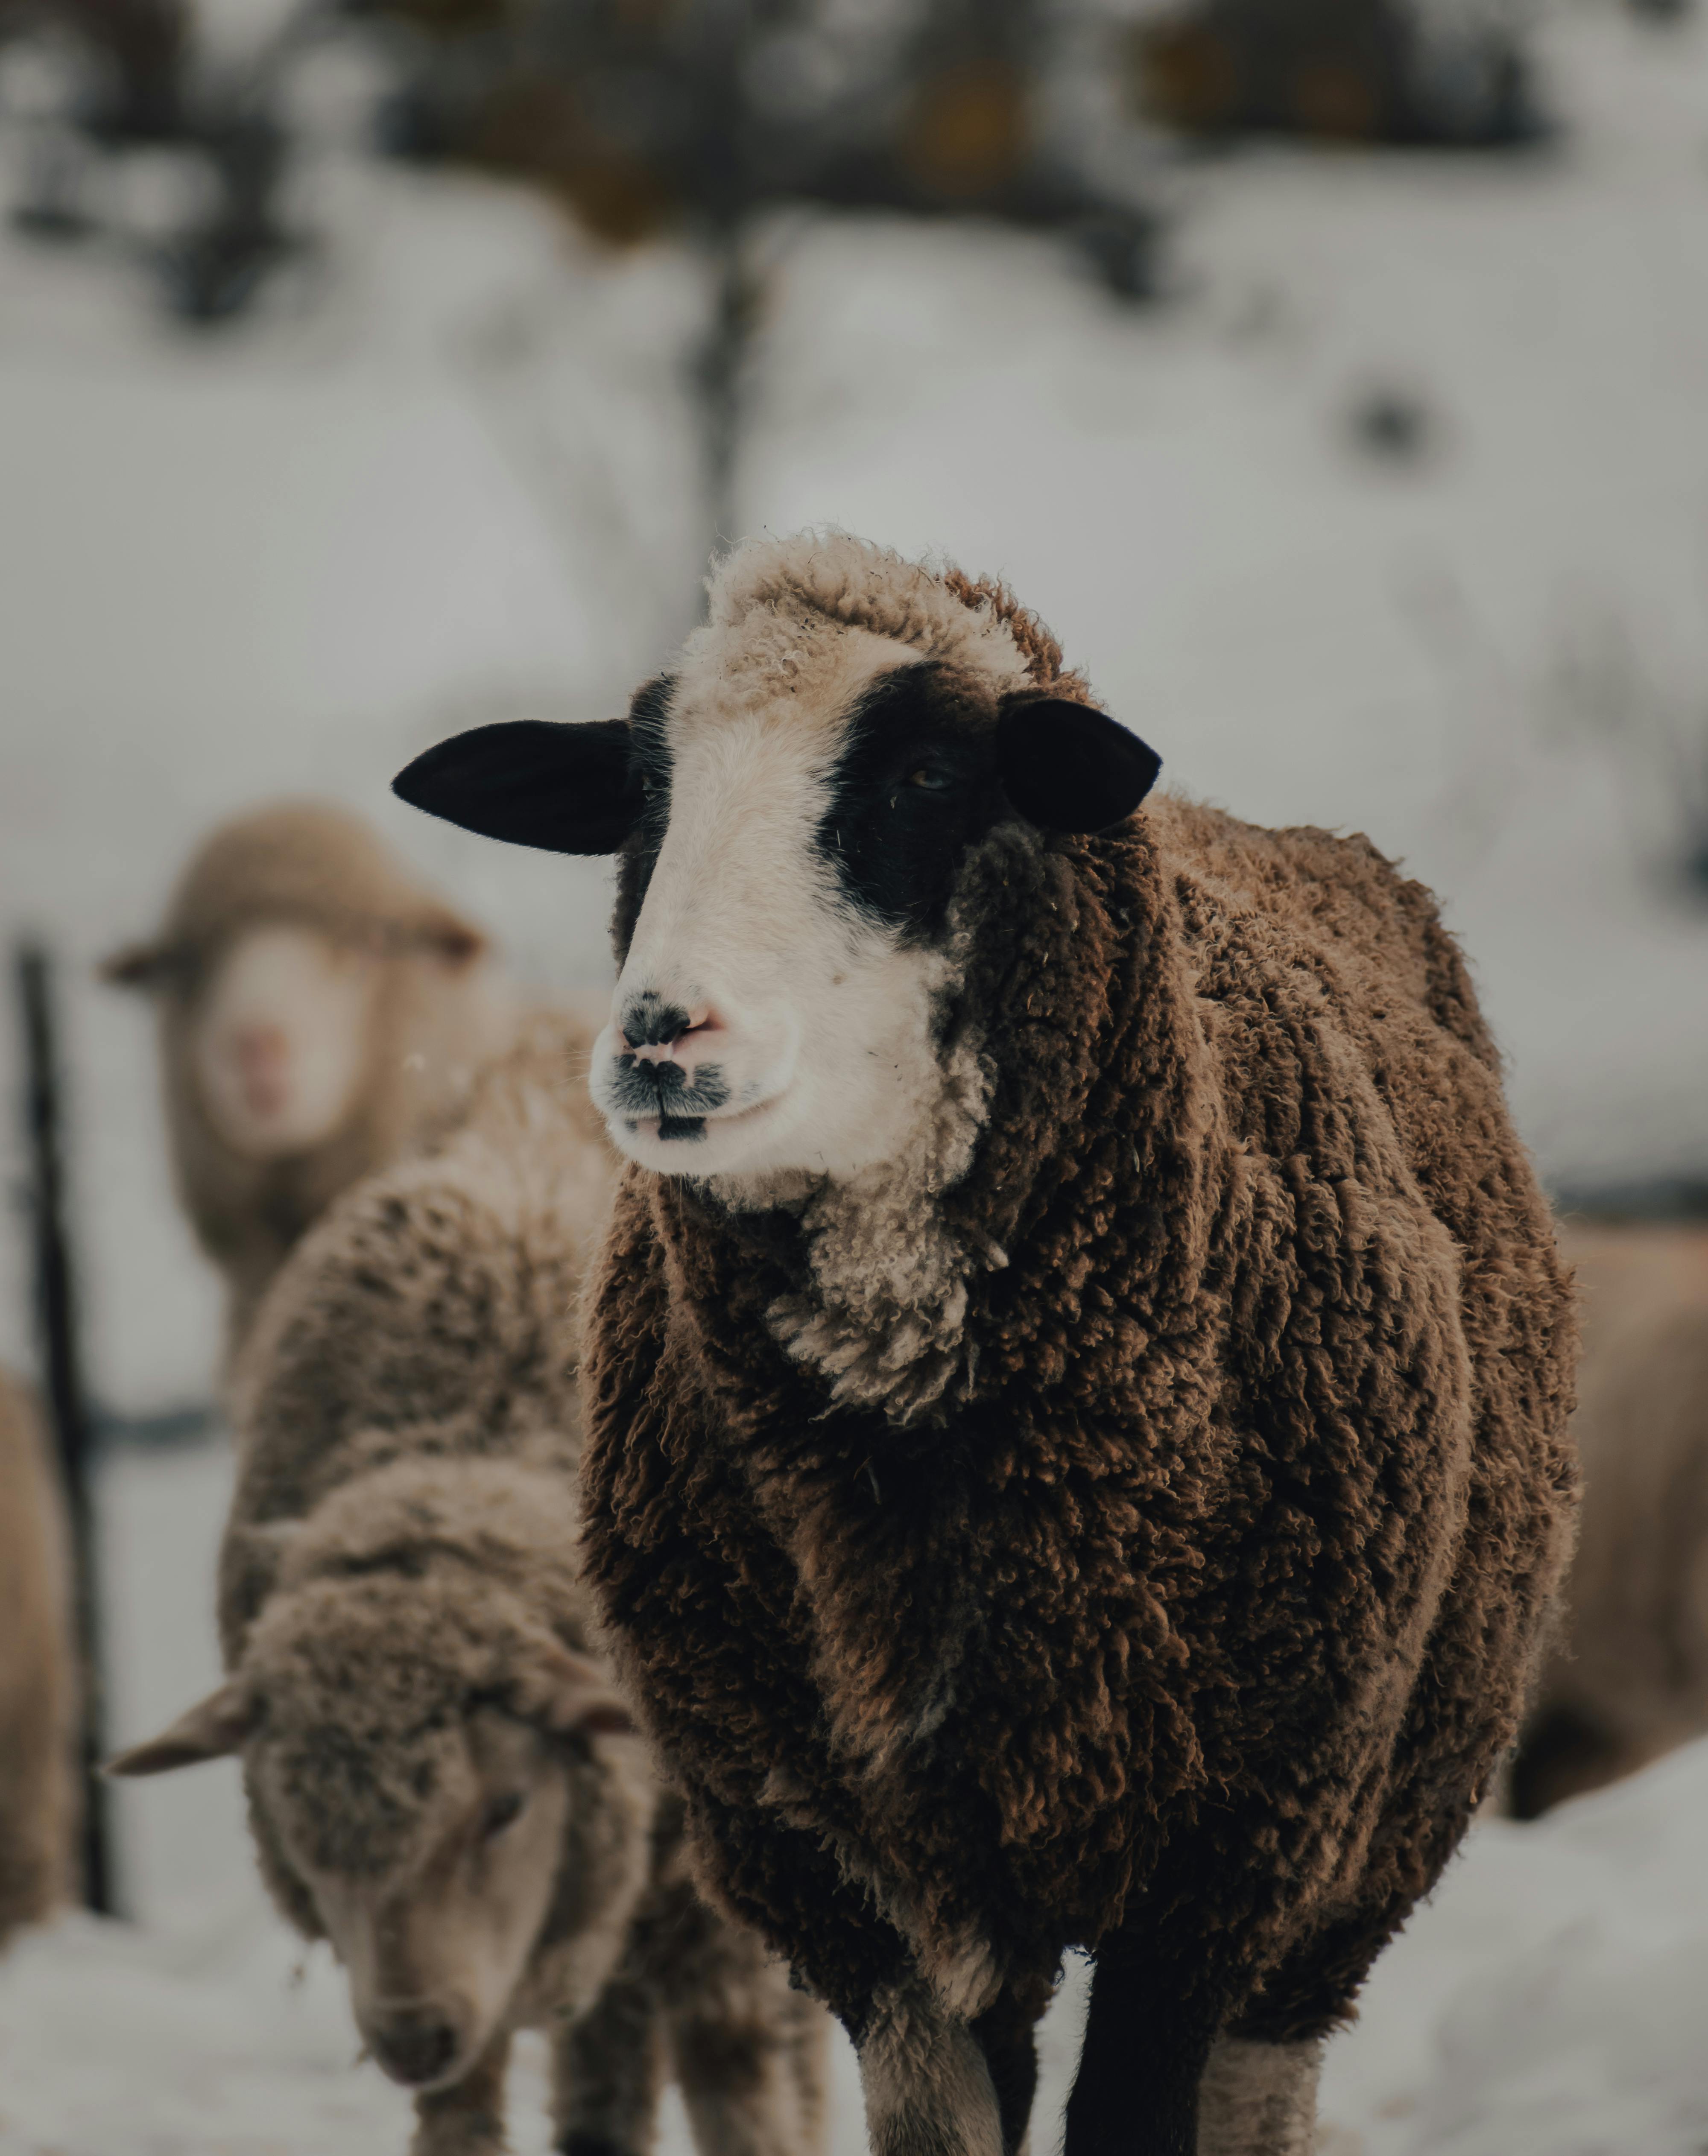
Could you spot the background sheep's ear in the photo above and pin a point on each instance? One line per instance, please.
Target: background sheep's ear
(1068, 767)
(567, 789)
(564, 1691)
(135, 966)
(209, 1730)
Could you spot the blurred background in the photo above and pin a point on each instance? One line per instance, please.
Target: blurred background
(1331, 375)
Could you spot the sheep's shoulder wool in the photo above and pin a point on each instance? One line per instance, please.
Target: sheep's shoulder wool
(1193, 1612)
(434, 1311)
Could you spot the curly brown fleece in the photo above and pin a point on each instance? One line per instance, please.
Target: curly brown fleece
(1193, 1630)
(38, 1809)
(402, 1551)
(423, 1331)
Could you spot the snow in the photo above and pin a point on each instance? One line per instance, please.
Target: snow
(448, 472)
(1548, 2000)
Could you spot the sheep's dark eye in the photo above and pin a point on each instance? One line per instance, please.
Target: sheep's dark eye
(931, 778)
(502, 1812)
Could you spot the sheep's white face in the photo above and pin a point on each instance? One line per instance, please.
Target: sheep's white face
(765, 1019)
(436, 1945)
(280, 1039)
(433, 1858)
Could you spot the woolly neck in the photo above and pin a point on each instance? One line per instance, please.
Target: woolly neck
(905, 1292)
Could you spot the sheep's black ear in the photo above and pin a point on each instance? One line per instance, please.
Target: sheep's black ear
(570, 789)
(1069, 767)
(136, 966)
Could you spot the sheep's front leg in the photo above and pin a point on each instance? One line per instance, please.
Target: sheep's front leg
(607, 2072)
(750, 2058)
(808, 2030)
(1259, 2099)
(467, 2118)
(928, 2089)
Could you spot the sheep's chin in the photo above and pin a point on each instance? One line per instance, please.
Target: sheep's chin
(820, 1117)
(713, 1146)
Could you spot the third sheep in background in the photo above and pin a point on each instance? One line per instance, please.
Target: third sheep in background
(321, 1012)
(442, 1780)
(38, 1801)
(1628, 1679)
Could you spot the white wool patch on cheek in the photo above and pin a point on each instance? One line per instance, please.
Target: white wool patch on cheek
(886, 1322)
(280, 1046)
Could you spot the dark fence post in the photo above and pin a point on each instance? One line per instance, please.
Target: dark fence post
(62, 1384)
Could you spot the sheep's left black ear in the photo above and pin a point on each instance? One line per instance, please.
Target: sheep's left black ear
(136, 966)
(570, 789)
(1069, 767)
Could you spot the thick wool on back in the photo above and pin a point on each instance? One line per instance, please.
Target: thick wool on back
(409, 1428)
(38, 1803)
(439, 1016)
(1189, 1621)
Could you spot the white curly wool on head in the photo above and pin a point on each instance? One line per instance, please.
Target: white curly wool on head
(811, 618)
(864, 585)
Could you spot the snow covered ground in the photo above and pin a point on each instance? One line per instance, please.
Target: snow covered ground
(448, 472)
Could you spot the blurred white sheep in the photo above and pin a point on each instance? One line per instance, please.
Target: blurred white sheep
(322, 1011)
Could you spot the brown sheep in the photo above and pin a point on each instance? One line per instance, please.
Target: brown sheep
(1628, 1676)
(442, 1780)
(320, 1011)
(38, 1802)
(1078, 1384)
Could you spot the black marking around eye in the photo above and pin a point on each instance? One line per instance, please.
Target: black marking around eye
(895, 847)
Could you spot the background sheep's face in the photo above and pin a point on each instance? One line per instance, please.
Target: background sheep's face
(791, 832)
(428, 1834)
(436, 1936)
(277, 1039)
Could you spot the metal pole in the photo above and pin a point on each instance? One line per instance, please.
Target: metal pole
(63, 1385)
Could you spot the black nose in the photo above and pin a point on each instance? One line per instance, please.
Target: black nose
(649, 1022)
(416, 2048)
